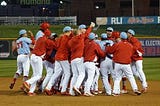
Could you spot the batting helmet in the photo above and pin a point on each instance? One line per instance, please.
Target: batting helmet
(45, 25)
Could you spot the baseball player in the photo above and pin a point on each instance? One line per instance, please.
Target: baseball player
(94, 87)
(43, 27)
(106, 64)
(37, 55)
(49, 60)
(137, 64)
(109, 32)
(91, 53)
(62, 64)
(76, 45)
(116, 36)
(23, 62)
(122, 53)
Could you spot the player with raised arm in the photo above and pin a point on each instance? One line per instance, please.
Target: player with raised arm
(23, 44)
(76, 45)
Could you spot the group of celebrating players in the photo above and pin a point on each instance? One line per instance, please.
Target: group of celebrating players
(75, 59)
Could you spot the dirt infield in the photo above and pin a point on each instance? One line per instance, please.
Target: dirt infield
(16, 97)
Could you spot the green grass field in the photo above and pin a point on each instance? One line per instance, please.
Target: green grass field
(151, 68)
(11, 31)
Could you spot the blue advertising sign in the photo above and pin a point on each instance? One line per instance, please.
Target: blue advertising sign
(128, 20)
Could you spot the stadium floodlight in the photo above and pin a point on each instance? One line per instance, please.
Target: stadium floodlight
(61, 2)
(97, 7)
(4, 3)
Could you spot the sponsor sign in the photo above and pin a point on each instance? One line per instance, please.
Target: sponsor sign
(4, 49)
(151, 46)
(128, 20)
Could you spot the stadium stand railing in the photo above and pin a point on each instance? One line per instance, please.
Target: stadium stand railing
(72, 20)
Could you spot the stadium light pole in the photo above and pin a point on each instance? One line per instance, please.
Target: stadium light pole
(4, 5)
(132, 8)
(159, 7)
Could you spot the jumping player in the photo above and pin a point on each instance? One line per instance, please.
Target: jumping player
(23, 62)
(62, 64)
(137, 64)
(38, 54)
(76, 45)
(49, 60)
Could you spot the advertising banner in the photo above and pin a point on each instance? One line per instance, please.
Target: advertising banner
(151, 46)
(128, 20)
(4, 49)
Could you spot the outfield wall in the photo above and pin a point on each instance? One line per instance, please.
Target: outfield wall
(150, 45)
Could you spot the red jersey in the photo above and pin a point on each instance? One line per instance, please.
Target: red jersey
(50, 48)
(137, 46)
(63, 48)
(122, 52)
(76, 44)
(92, 50)
(40, 46)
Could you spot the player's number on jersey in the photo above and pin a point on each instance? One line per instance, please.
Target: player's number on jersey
(19, 45)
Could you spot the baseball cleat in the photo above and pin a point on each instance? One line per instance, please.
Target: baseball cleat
(100, 92)
(88, 94)
(124, 91)
(95, 92)
(31, 94)
(137, 92)
(144, 90)
(65, 94)
(114, 94)
(77, 91)
(11, 85)
(48, 92)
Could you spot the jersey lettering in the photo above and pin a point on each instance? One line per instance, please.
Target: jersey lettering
(19, 45)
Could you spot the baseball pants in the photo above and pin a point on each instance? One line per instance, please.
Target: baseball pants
(119, 70)
(78, 74)
(37, 66)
